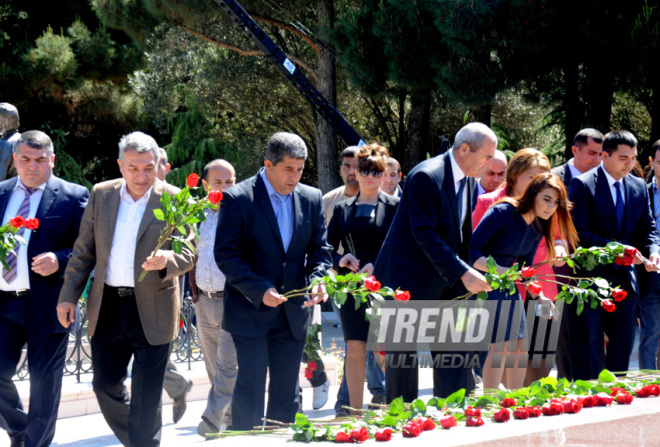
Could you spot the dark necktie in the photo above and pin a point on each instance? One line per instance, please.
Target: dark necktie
(619, 205)
(459, 196)
(24, 211)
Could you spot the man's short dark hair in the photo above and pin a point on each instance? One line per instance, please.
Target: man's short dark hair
(285, 144)
(655, 148)
(350, 152)
(36, 139)
(394, 164)
(612, 140)
(582, 137)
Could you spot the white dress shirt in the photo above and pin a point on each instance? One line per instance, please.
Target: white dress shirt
(208, 276)
(458, 176)
(611, 181)
(121, 262)
(22, 281)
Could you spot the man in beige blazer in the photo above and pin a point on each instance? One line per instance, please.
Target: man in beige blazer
(127, 317)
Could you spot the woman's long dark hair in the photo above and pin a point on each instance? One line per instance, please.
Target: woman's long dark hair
(562, 217)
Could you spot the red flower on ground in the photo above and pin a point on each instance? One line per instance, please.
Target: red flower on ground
(360, 434)
(472, 412)
(427, 424)
(448, 422)
(31, 224)
(412, 429)
(528, 272)
(474, 422)
(342, 436)
(508, 402)
(625, 398)
(371, 284)
(654, 389)
(520, 413)
(384, 434)
(572, 406)
(534, 288)
(608, 305)
(588, 401)
(17, 222)
(215, 197)
(402, 295)
(534, 412)
(312, 365)
(308, 373)
(502, 415)
(616, 390)
(192, 180)
(642, 392)
(603, 400)
(619, 295)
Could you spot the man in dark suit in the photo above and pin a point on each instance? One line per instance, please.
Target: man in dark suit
(587, 147)
(128, 317)
(611, 205)
(29, 290)
(426, 249)
(271, 239)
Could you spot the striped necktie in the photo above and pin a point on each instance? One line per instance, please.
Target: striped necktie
(24, 211)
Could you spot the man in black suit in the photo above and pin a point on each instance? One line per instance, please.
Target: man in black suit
(609, 204)
(426, 249)
(30, 288)
(271, 238)
(587, 147)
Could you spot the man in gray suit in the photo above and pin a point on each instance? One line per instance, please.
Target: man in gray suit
(128, 317)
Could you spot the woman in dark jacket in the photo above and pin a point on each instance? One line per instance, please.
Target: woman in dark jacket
(360, 225)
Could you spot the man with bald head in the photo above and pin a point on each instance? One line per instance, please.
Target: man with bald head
(207, 284)
(493, 177)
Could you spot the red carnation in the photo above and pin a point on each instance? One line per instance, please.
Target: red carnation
(17, 222)
(528, 272)
(608, 305)
(502, 415)
(534, 288)
(371, 284)
(619, 294)
(31, 224)
(342, 436)
(360, 434)
(448, 422)
(193, 180)
(384, 434)
(215, 197)
(402, 295)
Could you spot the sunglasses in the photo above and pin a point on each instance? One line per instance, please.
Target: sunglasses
(366, 172)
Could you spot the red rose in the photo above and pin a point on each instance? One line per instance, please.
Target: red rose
(552, 409)
(534, 412)
(528, 272)
(624, 398)
(31, 224)
(215, 197)
(17, 222)
(654, 389)
(587, 401)
(308, 373)
(508, 402)
(603, 400)
(616, 390)
(193, 180)
(642, 392)
(371, 284)
(619, 294)
(520, 413)
(474, 422)
(412, 430)
(427, 424)
(384, 434)
(572, 406)
(311, 365)
(180, 323)
(472, 412)
(342, 436)
(502, 415)
(402, 295)
(624, 260)
(608, 305)
(360, 434)
(448, 422)
(534, 288)
(630, 251)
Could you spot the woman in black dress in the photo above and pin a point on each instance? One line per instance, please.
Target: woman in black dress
(510, 232)
(360, 225)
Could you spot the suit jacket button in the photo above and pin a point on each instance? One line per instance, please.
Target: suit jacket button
(284, 264)
(282, 288)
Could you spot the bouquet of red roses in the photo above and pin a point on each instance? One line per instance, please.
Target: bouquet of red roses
(9, 237)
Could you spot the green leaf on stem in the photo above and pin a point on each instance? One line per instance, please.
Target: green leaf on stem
(606, 376)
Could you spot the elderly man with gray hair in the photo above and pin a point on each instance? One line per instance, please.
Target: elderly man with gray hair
(128, 317)
(271, 239)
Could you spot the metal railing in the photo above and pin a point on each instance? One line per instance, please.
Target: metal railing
(185, 348)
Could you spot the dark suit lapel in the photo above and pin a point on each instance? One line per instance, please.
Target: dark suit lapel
(603, 188)
(449, 186)
(152, 204)
(6, 195)
(651, 199)
(262, 199)
(48, 198)
(297, 217)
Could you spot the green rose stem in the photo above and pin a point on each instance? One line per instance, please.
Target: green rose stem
(305, 290)
(161, 242)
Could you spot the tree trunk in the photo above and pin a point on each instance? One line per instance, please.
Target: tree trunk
(420, 118)
(599, 97)
(573, 119)
(326, 138)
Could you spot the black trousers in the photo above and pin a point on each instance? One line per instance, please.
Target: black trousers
(119, 335)
(46, 353)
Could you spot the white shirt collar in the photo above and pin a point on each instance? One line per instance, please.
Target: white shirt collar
(124, 194)
(19, 184)
(610, 179)
(455, 168)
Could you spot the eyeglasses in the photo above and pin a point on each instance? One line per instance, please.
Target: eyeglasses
(366, 172)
